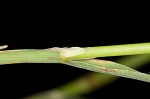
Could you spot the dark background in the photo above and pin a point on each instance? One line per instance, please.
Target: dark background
(39, 29)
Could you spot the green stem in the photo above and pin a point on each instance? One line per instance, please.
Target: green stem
(113, 50)
(58, 56)
(29, 56)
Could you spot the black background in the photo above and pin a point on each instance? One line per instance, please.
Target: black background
(39, 29)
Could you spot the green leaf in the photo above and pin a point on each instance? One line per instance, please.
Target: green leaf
(108, 67)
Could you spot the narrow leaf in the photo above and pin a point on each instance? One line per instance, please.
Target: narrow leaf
(108, 67)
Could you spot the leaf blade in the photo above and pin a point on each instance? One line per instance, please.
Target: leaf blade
(109, 67)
